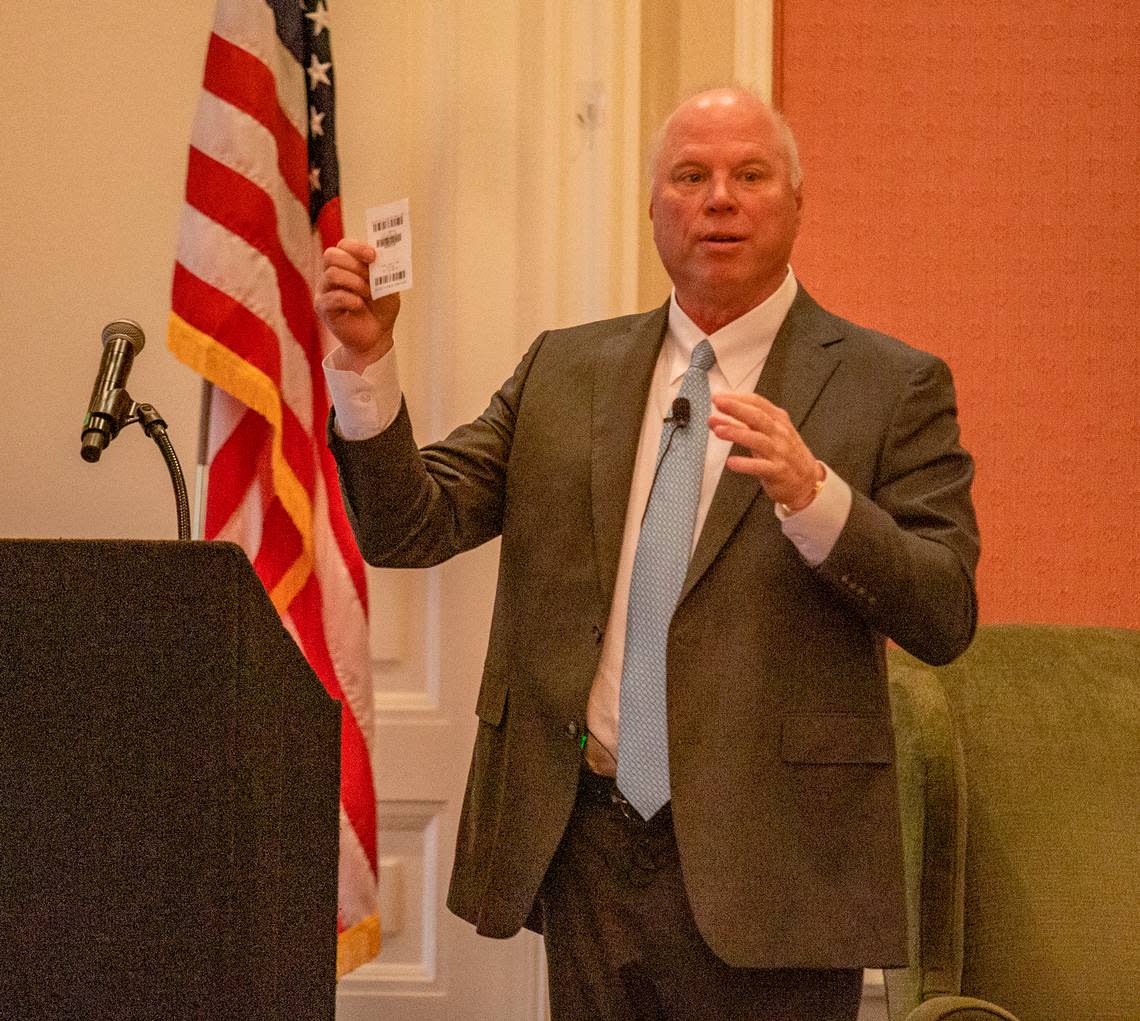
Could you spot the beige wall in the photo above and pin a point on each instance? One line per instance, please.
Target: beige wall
(95, 131)
(685, 45)
(516, 129)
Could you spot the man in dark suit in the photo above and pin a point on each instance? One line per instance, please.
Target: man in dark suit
(684, 777)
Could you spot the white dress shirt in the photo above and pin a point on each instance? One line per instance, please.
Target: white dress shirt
(366, 404)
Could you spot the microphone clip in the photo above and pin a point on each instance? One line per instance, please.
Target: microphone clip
(105, 418)
(679, 413)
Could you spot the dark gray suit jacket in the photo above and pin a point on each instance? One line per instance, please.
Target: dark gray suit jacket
(781, 753)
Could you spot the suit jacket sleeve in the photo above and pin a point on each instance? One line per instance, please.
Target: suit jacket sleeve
(905, 559)
(416, 508)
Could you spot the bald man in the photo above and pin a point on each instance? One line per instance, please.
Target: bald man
(713, 515)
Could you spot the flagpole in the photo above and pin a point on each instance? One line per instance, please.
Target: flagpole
(203, 468)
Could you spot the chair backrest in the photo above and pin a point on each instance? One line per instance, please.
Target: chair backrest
(1027, 880)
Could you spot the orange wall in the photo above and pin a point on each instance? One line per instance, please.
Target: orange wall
(973, 186)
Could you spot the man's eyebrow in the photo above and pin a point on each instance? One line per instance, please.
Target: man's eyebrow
(679, 166)
(699, 164)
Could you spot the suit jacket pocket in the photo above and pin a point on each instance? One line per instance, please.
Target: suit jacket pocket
(492, 701)
(835, 739)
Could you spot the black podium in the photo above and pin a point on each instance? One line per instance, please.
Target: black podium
(169, 773)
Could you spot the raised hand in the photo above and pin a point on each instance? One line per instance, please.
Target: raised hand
(787, 470)
(344, 303)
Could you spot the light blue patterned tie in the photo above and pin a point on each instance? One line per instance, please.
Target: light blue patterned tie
(658, 572)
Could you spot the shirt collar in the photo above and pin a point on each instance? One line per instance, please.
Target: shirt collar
(740, 346)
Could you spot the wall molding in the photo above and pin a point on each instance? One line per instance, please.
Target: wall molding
(754, 50)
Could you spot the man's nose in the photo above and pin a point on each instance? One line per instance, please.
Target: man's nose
(720, 194)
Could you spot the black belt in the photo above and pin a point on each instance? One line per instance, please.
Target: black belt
(603, 790)
(648, 846)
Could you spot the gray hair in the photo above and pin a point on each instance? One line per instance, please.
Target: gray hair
(783, 130)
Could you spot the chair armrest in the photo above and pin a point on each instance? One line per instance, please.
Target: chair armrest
(958, 1008)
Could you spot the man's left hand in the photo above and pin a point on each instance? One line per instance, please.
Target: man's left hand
(780, 459)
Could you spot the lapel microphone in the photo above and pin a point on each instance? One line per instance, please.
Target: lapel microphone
(679, 416)
(679, 413)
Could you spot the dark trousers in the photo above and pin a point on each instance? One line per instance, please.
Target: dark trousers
(622, 945)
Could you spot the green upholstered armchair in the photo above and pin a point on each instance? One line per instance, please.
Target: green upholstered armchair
(1019, 774)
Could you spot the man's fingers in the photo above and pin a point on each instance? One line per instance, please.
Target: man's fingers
(354, 260)
(763, 470)
(752, 410)
(335, 278)
(736, 432)
(778, 456)
(359, 250)
(755, 423)
(335, 302)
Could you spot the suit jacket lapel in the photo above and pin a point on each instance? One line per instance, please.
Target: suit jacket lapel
(624, 369)
(798, 367)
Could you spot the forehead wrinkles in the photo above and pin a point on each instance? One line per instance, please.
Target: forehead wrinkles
(701, 137)
(732, 153)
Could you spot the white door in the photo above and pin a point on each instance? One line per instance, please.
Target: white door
(431, 100)
(431, 634)
(513, 127)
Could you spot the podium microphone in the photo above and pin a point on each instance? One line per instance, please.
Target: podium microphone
(110, 404)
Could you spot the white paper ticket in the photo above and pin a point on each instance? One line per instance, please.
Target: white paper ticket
(389, 231)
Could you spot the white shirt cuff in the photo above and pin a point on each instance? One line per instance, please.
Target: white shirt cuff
(366, 403)
(815, 529)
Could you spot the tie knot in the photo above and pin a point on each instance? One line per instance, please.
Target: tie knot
(704, 358)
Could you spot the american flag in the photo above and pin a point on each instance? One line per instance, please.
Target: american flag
(262, 201)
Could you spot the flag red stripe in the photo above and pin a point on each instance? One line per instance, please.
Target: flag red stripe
(217, 315)
(357, 793)
(242, 80)
(246, 210)
(234, 326)
(329, 223)
(232, 470)
(280, 546)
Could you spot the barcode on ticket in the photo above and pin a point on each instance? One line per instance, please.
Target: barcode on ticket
(388, 223)
(389, 230)
(388, 278)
